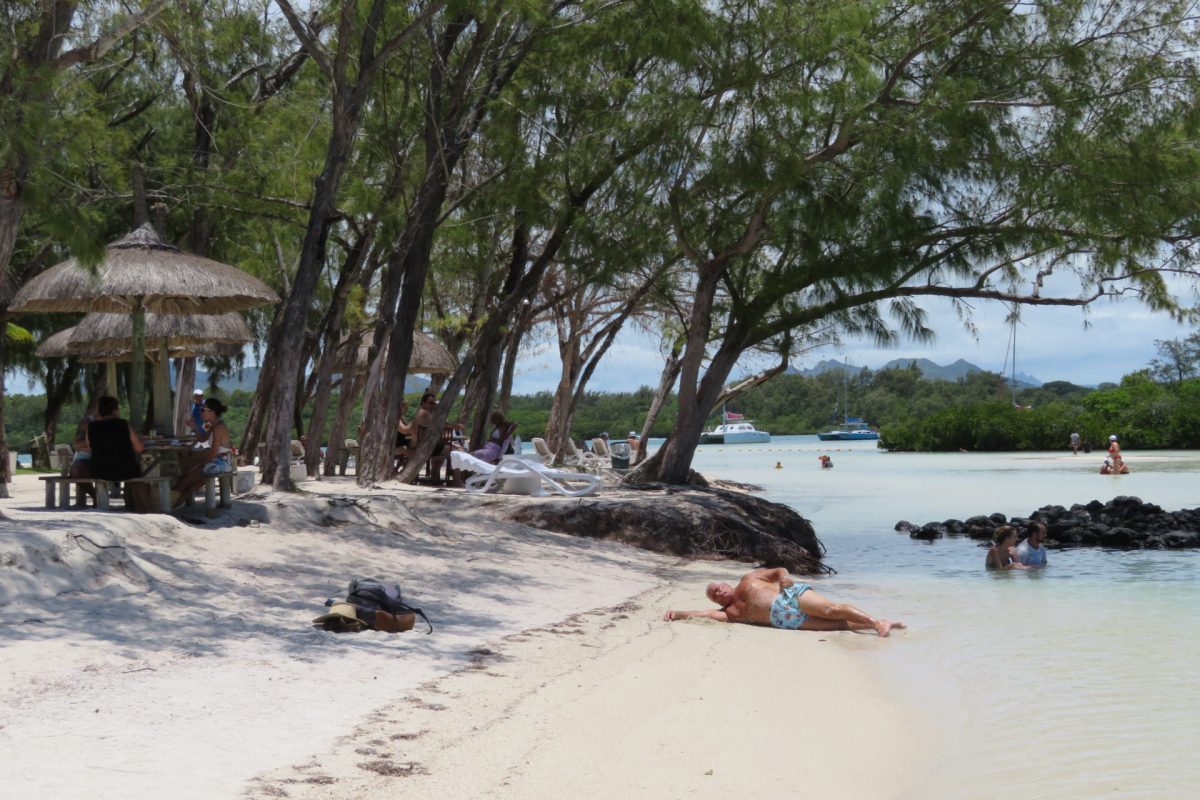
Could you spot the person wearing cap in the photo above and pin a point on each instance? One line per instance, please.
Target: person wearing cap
(633, 440)
(198, 412)
(1114, 452)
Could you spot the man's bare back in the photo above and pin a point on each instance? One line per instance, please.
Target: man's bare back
(751, 602)
(753, 596)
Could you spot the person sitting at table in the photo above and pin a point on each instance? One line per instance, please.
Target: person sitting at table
(218, 460)
(81, 462)
(115, 446)
(422, 423)
(406, 437)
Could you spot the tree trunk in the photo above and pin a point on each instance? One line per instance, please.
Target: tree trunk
(349, 390)
(677, 460)
(256, 417)
(512, 348)
(285, 345)
(562, 411)
(677, 453)
(665, 383)
(481, 392)
(185, 383)
(376, 448)
(5, 475)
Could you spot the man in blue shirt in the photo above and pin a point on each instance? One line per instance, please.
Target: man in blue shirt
(197, 408)
(1030, 552)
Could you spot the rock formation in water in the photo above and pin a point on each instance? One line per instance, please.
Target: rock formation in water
(1123, 522)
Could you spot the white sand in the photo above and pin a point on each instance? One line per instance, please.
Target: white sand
(148, 657)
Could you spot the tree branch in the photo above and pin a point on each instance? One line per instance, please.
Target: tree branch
(108, 40)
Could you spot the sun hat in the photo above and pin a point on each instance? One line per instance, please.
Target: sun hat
(198, 393)
(1112, 438)
(341, 617)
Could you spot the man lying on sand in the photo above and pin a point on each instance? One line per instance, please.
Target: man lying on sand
(770, 597)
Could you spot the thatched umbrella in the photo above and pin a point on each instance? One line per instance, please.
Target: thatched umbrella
(173, 331)
(61, 345)
(429, 356)
(164, 333)
(111, 352)
(140, 273)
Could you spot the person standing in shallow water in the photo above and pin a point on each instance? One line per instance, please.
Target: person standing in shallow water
(1114, 452)
(1075, 444)
(1000, 554)
(1031, 552)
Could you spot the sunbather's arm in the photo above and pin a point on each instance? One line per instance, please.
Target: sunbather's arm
(718, 615)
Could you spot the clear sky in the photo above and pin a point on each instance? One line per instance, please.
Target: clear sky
(1086, 347)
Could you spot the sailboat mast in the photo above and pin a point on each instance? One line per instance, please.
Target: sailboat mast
(846, 396)
(1014, 363)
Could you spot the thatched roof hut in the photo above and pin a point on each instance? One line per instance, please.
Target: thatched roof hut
(140, 268)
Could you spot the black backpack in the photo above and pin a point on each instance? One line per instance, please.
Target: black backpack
(368, 594)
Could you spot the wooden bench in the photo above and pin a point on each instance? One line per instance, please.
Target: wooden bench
(213, 484)
(60, 486)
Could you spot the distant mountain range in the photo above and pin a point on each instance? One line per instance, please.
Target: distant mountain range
(929, 369)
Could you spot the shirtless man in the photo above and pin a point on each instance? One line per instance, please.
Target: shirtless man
(770, 597)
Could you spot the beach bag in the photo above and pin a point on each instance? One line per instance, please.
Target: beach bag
(369, 596)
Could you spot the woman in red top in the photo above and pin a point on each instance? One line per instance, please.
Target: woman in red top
(1114, 452)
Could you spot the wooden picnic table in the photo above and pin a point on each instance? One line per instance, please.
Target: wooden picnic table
(170, 457)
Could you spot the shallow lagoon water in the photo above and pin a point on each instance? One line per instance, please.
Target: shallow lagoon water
(1073, 682)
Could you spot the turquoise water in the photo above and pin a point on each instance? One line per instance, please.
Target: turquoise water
(1073, 682)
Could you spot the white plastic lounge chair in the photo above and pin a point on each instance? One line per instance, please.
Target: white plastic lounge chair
(600, 448)
(519, 476)
(461, 459)
(542, 450)
(586, 459)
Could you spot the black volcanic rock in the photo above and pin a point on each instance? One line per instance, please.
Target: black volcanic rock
(1124, 522)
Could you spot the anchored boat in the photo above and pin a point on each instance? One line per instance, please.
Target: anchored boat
(739, 431)
(855, 430)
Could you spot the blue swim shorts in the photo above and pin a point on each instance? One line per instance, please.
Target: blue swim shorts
(785, 608)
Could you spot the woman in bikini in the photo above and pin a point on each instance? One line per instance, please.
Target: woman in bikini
(999, 555)
(220, 453)
(502, 431)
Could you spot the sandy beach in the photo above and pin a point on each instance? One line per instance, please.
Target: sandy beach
(150, 656)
